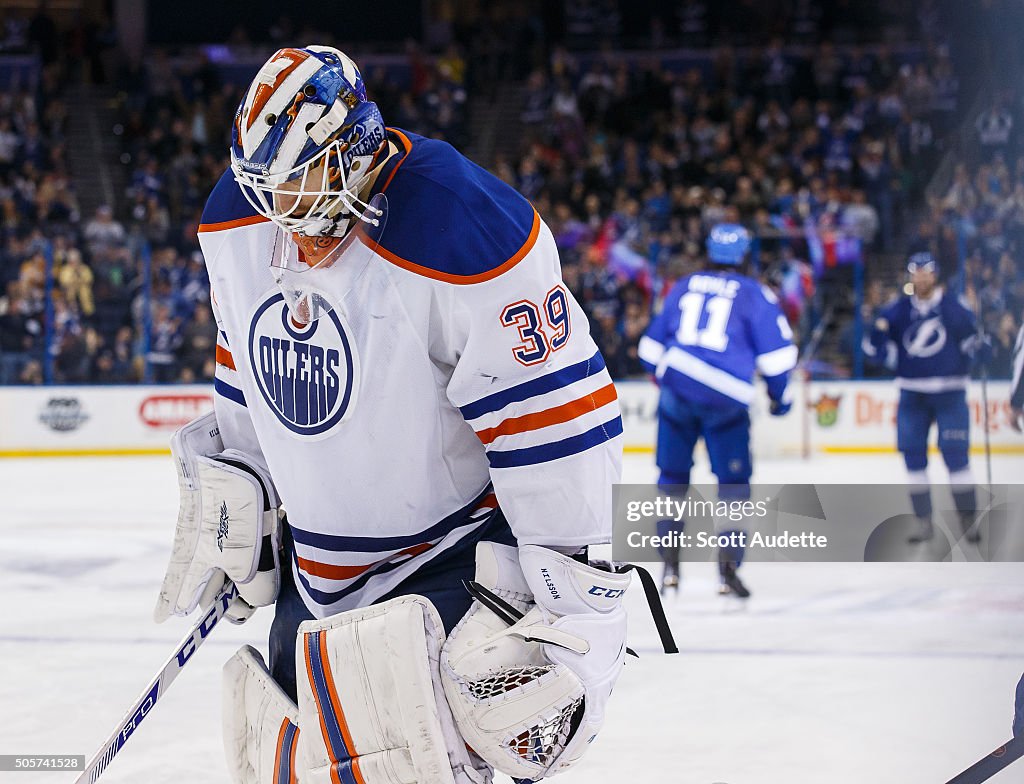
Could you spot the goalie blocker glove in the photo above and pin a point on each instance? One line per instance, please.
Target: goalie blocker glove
(229, 527)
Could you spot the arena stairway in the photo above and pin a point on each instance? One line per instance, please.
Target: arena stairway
(494, 123)
(93, 148)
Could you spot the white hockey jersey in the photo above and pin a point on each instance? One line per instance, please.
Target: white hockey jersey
(454, 374)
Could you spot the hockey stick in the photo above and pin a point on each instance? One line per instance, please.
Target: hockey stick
(810, 349)
(988, 766)
(817, 334)
(142, 707)
(985, 422)
(980, 332)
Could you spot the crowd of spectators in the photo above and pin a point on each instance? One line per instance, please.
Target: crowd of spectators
(38, 212)
(821, 154)
(127, 297)
(91, 318)
(94, 317)
(824, 152)
(174, 131)
(980, 218)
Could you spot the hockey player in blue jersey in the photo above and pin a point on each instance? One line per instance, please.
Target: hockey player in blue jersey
(931, 339)
(1017, 384)
(716, 328)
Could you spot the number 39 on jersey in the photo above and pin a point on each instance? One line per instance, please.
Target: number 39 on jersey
(542, 328)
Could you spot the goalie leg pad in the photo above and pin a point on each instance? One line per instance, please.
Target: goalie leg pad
(261, 724)
(370, 704)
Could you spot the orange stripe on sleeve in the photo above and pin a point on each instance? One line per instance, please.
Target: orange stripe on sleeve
(463, 280)
(224, 358)
(551, 416)
(252, 220)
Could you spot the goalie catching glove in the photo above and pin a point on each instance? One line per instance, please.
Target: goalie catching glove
(528, 670)
(229, 527)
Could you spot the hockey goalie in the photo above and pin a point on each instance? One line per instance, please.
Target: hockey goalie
(413, 444)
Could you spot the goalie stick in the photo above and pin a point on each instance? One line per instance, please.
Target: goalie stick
(142, 707)
(990, 765)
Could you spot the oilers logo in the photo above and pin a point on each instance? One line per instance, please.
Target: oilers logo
(370, 135)
(307, 374)
(925, 338)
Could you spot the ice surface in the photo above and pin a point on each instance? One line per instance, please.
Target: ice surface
(845, 674)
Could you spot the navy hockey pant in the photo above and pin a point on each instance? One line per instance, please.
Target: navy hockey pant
(914, 417)
(439, 580)
(726, 433)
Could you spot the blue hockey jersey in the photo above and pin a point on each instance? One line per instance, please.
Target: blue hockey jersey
(714, 330)
(930, 342)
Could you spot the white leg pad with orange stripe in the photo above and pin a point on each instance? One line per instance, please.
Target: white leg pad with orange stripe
(261, 723)
(371, 707)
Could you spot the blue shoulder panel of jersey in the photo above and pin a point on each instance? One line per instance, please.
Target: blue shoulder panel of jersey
(753, 289)
(449, 219)
(226, 204)
(896, 311)
(957, 308)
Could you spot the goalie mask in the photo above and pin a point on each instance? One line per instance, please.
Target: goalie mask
(305, 140)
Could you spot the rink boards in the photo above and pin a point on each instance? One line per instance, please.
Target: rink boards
(829, 417)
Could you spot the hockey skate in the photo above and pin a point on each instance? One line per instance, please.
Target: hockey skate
(923, 532)
(670, 576)
(731, 583)
(971, 526)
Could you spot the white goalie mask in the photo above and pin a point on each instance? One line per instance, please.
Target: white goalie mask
(305, 140)
(304, 143)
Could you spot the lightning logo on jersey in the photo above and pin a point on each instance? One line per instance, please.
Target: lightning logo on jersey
(925, 338)
(929, 341)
